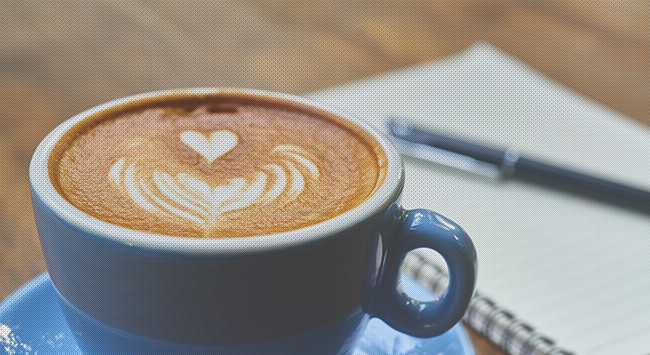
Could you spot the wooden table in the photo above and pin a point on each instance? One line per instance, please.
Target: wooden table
(58, 58)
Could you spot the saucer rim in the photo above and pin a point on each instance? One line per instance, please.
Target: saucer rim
(39, 284)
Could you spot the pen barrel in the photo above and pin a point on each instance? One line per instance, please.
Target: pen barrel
(476, 151)
(514, 166)
(582, 184)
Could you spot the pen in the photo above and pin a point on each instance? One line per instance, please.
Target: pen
(508, 164)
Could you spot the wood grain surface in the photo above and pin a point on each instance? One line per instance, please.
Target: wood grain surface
(58, 58)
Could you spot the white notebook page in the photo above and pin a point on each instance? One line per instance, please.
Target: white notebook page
(577, 270)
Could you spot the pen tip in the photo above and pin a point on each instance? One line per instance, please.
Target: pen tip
(398, 127)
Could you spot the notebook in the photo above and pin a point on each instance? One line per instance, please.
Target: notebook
(556, 271)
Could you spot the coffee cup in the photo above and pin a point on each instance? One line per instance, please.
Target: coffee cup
(216, 220)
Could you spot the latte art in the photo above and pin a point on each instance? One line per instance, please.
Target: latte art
(189, 197)
(220, 143)
(216, 167)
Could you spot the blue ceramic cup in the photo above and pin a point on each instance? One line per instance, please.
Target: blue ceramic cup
(308, 291)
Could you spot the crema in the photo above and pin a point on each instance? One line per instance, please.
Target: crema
(217, 166)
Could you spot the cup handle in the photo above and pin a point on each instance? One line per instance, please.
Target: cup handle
(426, 229)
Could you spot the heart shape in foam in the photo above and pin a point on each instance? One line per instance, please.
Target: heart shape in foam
(219, 143)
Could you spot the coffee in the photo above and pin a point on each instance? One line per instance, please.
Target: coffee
(219, 165)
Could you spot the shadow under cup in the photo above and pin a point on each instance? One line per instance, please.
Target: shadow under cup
(308, 290)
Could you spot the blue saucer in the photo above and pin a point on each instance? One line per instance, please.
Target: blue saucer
(31, 322)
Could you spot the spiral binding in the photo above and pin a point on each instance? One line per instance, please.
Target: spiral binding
(494, 322)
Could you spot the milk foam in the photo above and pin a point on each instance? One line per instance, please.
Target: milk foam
(183, 194)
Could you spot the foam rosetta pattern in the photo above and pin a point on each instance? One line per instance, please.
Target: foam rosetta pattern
(186, 195)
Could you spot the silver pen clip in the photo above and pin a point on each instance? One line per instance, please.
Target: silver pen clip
(447, 158)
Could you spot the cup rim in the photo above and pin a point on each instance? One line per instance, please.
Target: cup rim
(44, 190)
